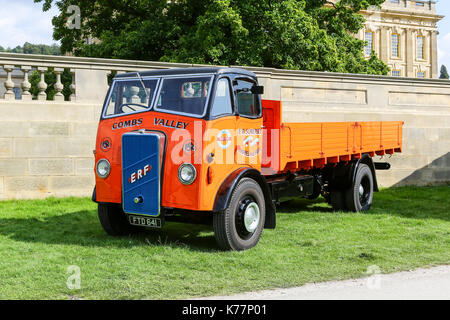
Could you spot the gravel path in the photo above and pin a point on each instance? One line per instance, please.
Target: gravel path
(432, 283)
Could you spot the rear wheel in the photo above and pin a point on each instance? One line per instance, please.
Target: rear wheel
(360, 196)
(337, 200)
(240, 226)
(114, 221)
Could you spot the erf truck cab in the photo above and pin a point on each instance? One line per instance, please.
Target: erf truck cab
(181, 144)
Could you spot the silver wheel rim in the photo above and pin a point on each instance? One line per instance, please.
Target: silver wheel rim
(361, 190)
(251, 217)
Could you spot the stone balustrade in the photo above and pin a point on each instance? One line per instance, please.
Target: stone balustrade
(15, 70)
(46, 146)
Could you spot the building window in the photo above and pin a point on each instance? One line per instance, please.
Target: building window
(420, 51)
(421, 74)
(395, 1)
(420, 4)
(369, 43)
(395, 73)
(395, 42)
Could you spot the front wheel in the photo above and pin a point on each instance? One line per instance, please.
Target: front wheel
(240, 226)
(114, 221)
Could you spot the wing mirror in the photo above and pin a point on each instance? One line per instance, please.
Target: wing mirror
(257, 90)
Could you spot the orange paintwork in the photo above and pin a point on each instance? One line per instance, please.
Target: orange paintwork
(201, 194)
(174, 192)
(237, 142)
(315, 144)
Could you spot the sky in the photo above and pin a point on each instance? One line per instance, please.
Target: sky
(443, 8)
(23, 21)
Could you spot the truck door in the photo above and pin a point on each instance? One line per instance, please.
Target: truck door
(249, 124)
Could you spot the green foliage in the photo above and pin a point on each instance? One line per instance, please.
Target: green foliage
(29, 48)
(293, 34)
(50, 80)
(444, 72)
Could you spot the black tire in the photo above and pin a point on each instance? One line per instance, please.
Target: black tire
(360, 196)
(229, 227)
(114, 221)
(337, 200)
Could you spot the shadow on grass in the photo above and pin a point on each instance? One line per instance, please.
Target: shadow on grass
(83, 228)
(405, 202)
(294, 206)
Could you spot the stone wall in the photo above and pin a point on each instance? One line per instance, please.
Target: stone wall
(46, 149)
(46, 146)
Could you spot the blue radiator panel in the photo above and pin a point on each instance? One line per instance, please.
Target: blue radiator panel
(141, 173)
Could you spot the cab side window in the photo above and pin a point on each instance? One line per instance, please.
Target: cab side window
(222, 99)
(248, 103)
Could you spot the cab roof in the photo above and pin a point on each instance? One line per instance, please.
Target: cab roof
(182, 71)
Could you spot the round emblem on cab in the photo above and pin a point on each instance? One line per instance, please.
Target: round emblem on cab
(106, 144)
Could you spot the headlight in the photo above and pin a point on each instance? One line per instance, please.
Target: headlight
(187, 173)
(103, 168)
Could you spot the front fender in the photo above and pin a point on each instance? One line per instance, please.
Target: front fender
(94, 195)
(223, 196)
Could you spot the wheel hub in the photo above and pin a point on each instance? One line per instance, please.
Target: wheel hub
(361, 190)
(252, 215)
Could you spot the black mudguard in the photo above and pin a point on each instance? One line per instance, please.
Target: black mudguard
(94, 195)
(367, 159)
(343, 175)
(223, 196)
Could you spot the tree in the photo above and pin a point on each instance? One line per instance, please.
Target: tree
(444, 72)
(29, 48)
(292, 34)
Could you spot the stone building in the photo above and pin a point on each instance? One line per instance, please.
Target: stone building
(404, 35)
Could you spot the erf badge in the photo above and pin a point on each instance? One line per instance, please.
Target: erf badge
(106, 144)
(139, 174)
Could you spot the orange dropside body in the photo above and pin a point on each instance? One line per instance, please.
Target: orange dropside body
(315, 144)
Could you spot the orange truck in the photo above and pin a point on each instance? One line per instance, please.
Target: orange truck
(199, 145)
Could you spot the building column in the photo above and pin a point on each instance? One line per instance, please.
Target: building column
(434, 55)
(409, 53)
(384, 44)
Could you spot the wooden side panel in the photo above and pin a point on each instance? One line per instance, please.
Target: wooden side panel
(335, 139)
(370, 136)
(309, 133)
(295, 146)
(307, 145)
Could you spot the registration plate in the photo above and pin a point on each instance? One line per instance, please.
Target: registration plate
(145, 221)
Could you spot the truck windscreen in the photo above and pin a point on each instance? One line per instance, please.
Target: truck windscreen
(128, 96)
(187, 95)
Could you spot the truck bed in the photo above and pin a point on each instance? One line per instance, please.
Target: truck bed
(297, 146)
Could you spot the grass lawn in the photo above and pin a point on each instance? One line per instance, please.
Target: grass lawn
(39, 239)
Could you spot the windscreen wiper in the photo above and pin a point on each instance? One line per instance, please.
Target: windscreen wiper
(143, 86)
